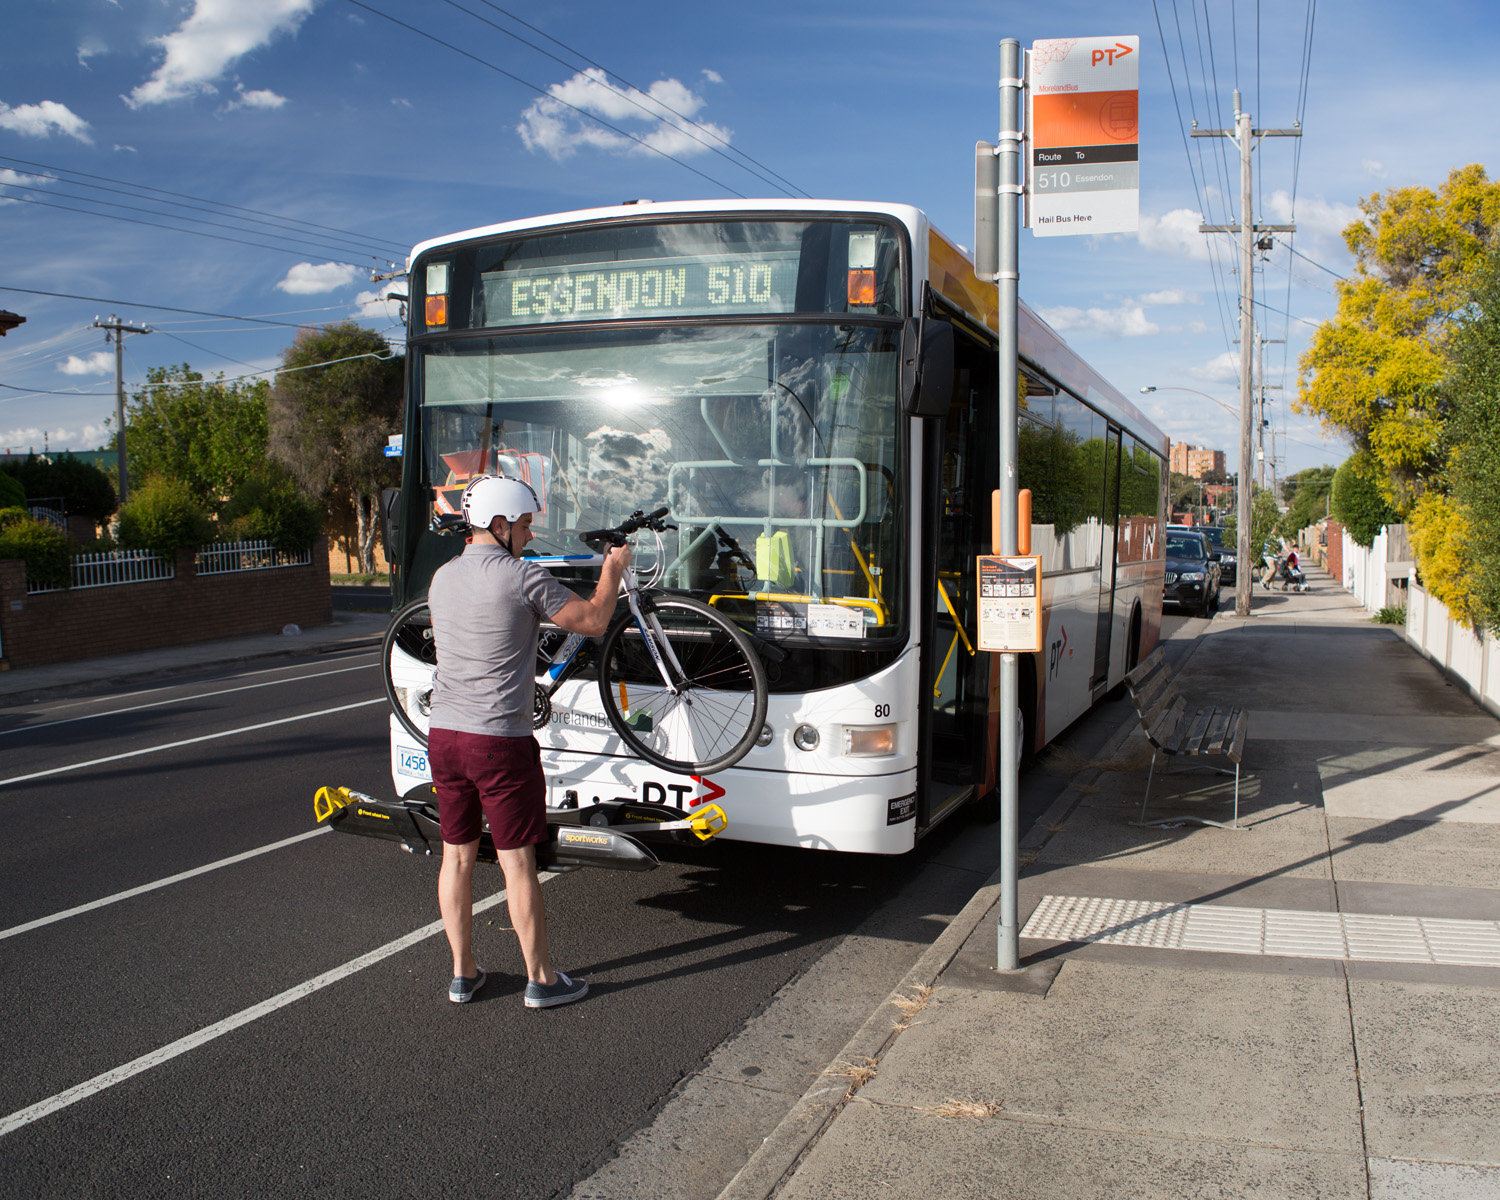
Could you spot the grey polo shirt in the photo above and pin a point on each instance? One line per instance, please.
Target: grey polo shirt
(487, 608)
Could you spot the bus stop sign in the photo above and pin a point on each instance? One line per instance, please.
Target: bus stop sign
(1083, 170)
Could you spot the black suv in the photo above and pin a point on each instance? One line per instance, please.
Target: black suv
(1226, 556)
(1193, 579)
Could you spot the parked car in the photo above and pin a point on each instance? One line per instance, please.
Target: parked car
(1225, 555)
(1193, 578)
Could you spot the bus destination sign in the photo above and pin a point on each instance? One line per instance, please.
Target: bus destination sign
(700, 286)
(1083, 171)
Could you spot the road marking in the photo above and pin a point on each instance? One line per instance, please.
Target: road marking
(218, 1029)
(161, 883)
(169, 686)
(1360, 937)
(207, 737)
(115, 712)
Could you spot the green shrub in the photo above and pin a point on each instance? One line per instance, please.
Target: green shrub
(162, 515)
(1391, 616)
(85, 489)
(43, 546)
(273, 510)
(1357, 500)
(12, 494)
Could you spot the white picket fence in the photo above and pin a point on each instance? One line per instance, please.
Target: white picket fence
(115, 567)
(1469, 657)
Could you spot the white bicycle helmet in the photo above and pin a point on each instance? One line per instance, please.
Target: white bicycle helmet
(491, 496)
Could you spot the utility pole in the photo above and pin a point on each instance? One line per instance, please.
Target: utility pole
(1245, 138)
(119, 329)
(1260, 424)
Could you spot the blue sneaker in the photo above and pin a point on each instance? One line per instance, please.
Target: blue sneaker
(564, 991)
(462, 989)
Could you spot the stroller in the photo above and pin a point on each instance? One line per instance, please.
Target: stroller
(1276, 567)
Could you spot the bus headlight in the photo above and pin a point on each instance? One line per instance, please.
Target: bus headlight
(764, 737)
(869, 741)
(805, 737)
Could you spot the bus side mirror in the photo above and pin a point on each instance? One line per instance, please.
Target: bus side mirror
(927, 370)
(390, 521)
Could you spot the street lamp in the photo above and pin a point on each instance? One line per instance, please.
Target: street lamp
(1195, 392)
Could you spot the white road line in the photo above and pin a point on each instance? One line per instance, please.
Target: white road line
(161, 883)
(169, 686)
(218, 1029)
(115, 712)
(207, 737)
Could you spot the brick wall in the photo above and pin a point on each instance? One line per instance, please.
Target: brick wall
(55, 627)
(1334, 552)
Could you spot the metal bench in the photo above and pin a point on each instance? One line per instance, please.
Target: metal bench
(1176, 727)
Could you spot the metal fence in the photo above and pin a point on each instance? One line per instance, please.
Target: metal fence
(114, 567)
(142, 566)
(221, 558)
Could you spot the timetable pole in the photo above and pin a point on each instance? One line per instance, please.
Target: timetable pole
(1008, 153)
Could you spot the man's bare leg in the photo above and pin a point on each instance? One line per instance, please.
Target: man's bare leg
(456, 901)
(523, 894)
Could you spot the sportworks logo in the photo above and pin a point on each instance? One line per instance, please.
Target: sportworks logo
(1108, 55)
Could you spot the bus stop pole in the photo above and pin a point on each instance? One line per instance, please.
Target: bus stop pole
(1008, 154)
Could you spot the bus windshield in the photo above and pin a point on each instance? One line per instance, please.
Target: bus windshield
(774, 446)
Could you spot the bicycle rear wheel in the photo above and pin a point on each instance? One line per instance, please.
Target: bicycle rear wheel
(713, 711)
(408, 660)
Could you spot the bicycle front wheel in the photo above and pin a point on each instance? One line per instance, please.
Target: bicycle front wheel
(712, 706)
(408, 661)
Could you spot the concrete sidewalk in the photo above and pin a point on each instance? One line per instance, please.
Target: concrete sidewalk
(348, 631)
(1306, 1008)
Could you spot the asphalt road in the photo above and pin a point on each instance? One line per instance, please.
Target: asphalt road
(279, 1024)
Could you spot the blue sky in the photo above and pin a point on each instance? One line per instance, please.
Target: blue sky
(342, 138)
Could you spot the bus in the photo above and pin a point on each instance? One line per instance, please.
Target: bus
(777, 374)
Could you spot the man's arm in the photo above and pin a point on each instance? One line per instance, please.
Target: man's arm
(591, 617)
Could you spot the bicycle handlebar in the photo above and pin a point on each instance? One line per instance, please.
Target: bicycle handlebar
(618, 535)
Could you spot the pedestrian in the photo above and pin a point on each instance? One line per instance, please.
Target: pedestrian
(487, 606)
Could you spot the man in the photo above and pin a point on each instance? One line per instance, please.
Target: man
(487, 607)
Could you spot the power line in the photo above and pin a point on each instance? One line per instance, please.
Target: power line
(788, 184)
(218, 237)
(153, 307)
(322, 250)
(220, 203)
(542, 92)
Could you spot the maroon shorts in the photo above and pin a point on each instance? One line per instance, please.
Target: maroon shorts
(502, 776)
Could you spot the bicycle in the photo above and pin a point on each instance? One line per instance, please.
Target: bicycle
(680, 683)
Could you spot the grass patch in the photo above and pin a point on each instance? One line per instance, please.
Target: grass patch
(1395, 615)
(379, 579)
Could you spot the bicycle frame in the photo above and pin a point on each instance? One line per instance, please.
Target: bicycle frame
(560, 665)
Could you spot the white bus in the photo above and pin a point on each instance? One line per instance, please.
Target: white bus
(762, 369)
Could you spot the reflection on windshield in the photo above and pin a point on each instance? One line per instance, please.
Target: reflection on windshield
(774, 447)
(1185, 547)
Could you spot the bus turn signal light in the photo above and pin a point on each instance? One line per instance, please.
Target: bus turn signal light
(870, 741)
(437, 311)
(862, 287)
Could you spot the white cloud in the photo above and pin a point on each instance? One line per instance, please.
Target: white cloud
(667, 108)
(305, 279)
(1175, 233)
(1374, 167)
(401, 102)
(1225, 368)
(259, 98)
(101, 362)
(20, 439)
(1315, 216)
(712, 76)
(131, 149)
(89, 48)
(1171, 296)
(43, 120)
(374, 305)
(1129, 320)
(214, 36)
(9, 178)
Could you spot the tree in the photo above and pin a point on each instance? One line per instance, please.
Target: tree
(1263, 514)
(1358, 502)
(1306, 494)
(329, 423)
(1371, 373)
(209, 435)
(1468, 540)
(85, 490)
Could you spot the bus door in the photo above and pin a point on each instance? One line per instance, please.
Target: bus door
(1109, 512)
(959, 473)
